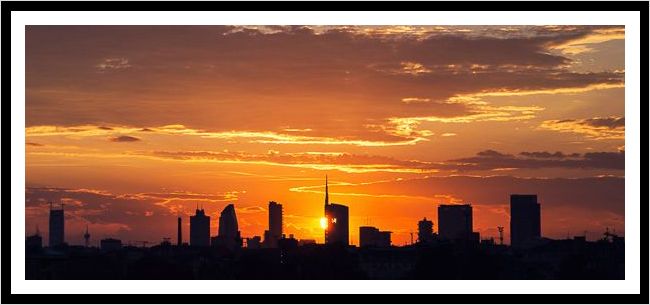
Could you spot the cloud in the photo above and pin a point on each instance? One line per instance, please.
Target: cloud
(491, 160)
(33, 144)
(254, 71)
(124, 139)
(115, 63)
(345, 162)
(598, 128)
(266, 137)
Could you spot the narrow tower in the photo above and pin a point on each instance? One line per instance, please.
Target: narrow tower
(327, 198)
(179, 238)
(87, 237)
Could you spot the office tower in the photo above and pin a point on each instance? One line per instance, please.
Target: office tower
(274, 232)
(455, 222)
(200, 229)
(87, 237)
(229, 235)
(425, 230)
(110, 244)
(57, 224)
(372, 237)
(179, 236)
(337, 220)
(525, 223)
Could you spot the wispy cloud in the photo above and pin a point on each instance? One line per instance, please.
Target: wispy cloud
(598, 128)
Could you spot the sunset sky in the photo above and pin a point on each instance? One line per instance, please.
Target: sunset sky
(131, 126)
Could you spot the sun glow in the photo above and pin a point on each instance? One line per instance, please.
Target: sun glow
(323, 223)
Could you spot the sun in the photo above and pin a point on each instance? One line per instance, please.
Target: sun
(323, 223)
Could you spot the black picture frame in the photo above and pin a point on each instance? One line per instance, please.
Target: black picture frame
(9, 7)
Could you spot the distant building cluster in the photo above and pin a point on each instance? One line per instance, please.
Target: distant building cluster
(455, 251)
(455, 224)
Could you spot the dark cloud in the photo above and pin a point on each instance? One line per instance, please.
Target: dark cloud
(33, 144)
(216, 71)
(490, 159)
(610, 122)
(124, 139)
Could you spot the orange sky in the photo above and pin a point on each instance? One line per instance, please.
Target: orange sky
(130, 126)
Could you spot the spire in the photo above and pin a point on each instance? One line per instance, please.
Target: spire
(327, 198)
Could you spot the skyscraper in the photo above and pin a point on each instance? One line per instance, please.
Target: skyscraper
(372, 237)
(525, 222)
(337, 221)
(200, 229)
(455, 222)
(179, 236)
(274, 233)
(57, 226)
(425, 230)
(229, 235)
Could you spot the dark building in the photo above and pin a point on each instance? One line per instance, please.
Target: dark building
(179, 236)
(425, 230)
(200, 229)
(253, 242)
(372, 237)
(110, 244)
(525, 227)
(57, 226)
(337, 217)
(455, 223)
(34, 242)
(229, 235)
(274, 232)
(87, 238)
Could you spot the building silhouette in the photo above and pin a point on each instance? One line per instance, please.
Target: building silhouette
(34, 242)
(229, 235)
(372, 237)
(200, 229)
(254, 242)
(274, 233)
(179, 233)
(525, 227)
(87, 238)
(455, 223)
(110, 244)
(57, 226)
(337, 216)
(425, 230)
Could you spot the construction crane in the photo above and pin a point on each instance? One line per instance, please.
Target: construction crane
(500, 234)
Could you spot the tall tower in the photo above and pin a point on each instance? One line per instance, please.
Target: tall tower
(200, 229)
(87, 237)
(525, 219)
(337, 221)
(274, 233)
(57, 223)
(179, 238)
(327, 197)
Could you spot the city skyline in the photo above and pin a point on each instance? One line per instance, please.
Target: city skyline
(132, 126)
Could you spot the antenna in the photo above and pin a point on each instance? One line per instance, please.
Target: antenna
(411, 237)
